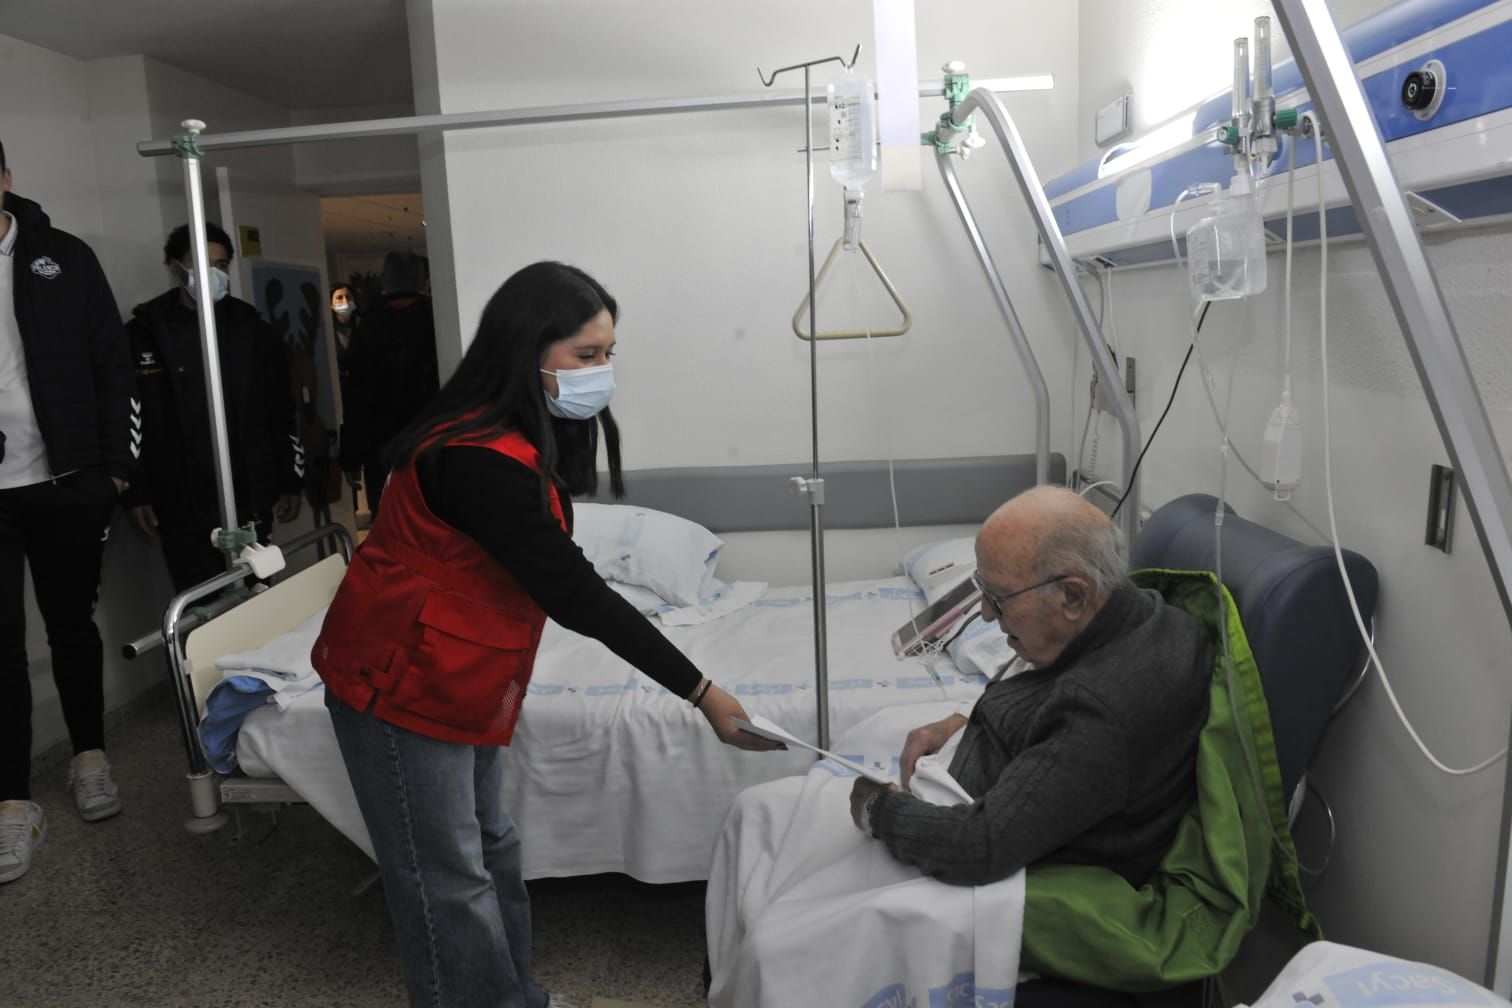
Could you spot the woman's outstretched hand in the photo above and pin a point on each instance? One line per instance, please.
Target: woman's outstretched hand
(719, 707)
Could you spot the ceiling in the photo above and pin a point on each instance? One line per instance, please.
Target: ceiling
(296, 54)
(359, 225)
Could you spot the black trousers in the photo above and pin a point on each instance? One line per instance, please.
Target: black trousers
(190, 555)
(59, 529)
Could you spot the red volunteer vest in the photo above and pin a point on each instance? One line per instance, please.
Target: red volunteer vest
(427, 631)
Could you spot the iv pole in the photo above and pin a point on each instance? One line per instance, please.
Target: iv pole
(813, 485)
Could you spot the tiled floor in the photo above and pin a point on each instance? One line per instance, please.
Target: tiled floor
(137, 911)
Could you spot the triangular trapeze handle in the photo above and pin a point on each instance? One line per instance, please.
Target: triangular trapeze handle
(892, 292)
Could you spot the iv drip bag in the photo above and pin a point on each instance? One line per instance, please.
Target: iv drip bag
(853, 143)
(853, 130)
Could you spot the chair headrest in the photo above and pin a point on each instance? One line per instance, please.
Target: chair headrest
(1292, 604)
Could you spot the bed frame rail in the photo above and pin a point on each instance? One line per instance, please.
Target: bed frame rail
(232, 623)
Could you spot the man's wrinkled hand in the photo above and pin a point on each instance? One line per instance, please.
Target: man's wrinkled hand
(926, 740)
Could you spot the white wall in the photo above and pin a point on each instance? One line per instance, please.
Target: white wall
(1415, 864)
(352, 167)
(696, 223)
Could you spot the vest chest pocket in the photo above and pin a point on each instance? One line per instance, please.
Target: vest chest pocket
(470, 666)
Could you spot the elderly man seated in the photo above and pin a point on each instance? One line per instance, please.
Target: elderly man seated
(1081, 751)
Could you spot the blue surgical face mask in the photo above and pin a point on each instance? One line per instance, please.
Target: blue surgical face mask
(220, 283)
(582, 393)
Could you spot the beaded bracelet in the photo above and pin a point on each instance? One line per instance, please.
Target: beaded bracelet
(700, 692)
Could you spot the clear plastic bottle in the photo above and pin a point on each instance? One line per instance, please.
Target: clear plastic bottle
(1226, 251)
(853, 130)
(853, 143)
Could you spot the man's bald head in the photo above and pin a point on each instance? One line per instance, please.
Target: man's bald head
(1048, 531)
(1047, 562)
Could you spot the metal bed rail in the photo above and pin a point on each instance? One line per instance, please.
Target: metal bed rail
(182, 616)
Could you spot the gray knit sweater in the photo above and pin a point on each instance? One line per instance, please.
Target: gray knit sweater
(1089, 760)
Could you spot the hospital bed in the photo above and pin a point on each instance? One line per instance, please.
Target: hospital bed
(608, 772)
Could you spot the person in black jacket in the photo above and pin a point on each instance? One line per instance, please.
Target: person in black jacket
(174, 493)
(67, 437)
(391, 373)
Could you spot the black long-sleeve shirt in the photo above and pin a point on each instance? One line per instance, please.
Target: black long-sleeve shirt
(496, 501)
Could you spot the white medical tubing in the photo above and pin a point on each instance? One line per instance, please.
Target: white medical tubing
(1100, 483)
(1286, 310)
(1354, 605)
(887, 439)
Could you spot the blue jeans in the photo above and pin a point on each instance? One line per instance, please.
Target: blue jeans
(450, 857)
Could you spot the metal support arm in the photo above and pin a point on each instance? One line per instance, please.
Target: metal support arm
(984, 101)
(1005, 305)
(1413, 291)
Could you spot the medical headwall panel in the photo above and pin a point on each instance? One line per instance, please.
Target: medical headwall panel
(1454, 157)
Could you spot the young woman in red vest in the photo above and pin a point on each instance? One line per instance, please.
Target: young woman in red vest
(428, 646)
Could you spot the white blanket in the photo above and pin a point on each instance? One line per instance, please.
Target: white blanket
(1326, 975)
(804, 909)
(283, 663)
(608, 771)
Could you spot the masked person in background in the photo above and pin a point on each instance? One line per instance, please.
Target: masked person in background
(345, 320)
(343, 327)
(174, 493)
(391, 373)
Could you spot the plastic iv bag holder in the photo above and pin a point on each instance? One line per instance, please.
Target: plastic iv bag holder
(828, 334)
(1226, 248)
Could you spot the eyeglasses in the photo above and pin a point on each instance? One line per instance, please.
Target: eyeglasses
(997, 602)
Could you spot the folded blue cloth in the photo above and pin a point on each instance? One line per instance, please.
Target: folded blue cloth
(232, 699)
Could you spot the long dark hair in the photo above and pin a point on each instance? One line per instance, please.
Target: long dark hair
(498, 383)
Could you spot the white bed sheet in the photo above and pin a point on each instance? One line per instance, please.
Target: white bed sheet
(608, 772)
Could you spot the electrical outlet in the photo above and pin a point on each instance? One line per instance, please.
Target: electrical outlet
(1441, 485)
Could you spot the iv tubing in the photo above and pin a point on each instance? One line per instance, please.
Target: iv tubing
(1354, 605)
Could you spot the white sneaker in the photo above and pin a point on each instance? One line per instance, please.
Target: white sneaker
(94, 790)
(557, 1001)
(23, 827)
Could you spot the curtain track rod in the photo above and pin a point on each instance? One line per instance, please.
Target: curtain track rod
(400, 126)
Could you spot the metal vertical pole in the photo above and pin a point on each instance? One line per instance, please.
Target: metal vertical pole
(188, 150)
(815, 488)
(1419, 305)
(813, 485)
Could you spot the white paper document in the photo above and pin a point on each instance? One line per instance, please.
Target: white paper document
(768, 729)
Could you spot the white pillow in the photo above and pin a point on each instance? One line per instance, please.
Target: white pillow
(718, 600)
(672, 556)
(981, 649)
(938, 567)
(646, 601)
